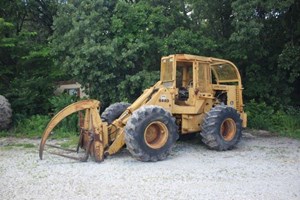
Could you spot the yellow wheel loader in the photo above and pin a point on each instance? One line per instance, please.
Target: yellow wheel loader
(195, 94)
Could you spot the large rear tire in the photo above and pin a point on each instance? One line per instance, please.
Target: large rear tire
(151, 133)
(114, 111)
(5, 113)
(222, 128)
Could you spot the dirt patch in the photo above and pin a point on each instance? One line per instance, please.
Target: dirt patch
(259, 168)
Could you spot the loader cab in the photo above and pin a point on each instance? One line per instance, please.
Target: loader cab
(184, 79)
(187, 75)
(196, 84)
(196, 77)
(176, 73)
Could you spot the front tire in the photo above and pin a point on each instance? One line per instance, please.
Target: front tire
(222, 128)
(151, 133)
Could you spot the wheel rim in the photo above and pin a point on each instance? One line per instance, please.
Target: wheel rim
(156, 135)
(228, 129)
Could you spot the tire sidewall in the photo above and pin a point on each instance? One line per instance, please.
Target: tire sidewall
(228, 113)
(135, 130)
(140, 134)
(211, 128)
(114, 111)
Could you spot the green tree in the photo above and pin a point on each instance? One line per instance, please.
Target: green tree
(107, 48)
(25, 63)
(257, 42)
(81, 44)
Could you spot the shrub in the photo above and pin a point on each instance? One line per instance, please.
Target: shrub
(259, 115)
(285, 121)
(35, 125)
(32, 126)
(69, 125)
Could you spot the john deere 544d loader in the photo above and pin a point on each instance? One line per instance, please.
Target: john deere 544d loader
(194, 94)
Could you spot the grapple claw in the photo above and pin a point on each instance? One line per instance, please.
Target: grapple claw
(82, 159)
(68, 156)
(92, 138)
(58, 147)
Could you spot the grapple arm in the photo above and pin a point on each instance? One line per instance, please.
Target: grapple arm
(94, 136)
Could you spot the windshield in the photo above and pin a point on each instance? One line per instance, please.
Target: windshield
(225, 72)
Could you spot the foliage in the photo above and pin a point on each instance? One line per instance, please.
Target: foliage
(287, 124)
(60, 101)
(131, 86)
(81, 27)
(113, 48)
(129, 37)
(104, 50)
(33, 126)
(259, 115)
(284, 121)
(69, 125)
(258, 42)
(289, 63)
(26, 76)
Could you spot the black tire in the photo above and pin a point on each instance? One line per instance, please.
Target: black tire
(5, 113)
(150, 133)
(114, 111)
(222, 128)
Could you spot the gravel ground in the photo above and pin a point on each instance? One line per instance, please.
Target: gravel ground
(259, 168)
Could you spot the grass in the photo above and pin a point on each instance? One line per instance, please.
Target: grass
(284, 121)
(23, 145)
(37, 135)
(66, 140)
(34, 126)
(72, 141)
(5, 134)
